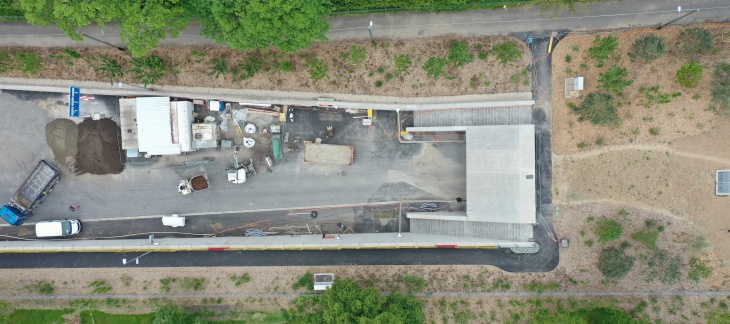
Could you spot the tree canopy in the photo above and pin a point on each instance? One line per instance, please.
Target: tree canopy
(143, 23)
(69, 15)
(347, 302)
(289, 25)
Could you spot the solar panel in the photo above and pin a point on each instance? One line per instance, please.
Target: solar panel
(722, 182)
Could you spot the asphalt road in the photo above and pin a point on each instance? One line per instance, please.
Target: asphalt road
(511, 21)
(501, 258)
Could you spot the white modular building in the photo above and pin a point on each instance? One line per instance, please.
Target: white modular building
(156, 125)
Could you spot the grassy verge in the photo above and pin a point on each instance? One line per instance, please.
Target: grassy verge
(344, 7)
(89, 317)
(39, 316)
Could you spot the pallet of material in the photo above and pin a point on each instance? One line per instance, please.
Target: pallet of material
(328, 154)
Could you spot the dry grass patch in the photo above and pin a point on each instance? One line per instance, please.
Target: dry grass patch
(393, 68)
(652, 107)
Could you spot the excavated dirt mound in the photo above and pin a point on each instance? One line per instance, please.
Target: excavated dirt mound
(199, 183)
(98, 146)
(61, 136)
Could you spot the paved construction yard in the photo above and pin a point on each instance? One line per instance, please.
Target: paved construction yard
(383, 168)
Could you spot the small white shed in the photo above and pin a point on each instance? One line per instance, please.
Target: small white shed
(323, 281)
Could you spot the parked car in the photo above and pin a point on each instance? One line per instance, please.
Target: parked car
(53, 228)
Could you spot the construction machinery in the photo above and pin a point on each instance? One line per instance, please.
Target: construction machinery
(237, 174)
(196, 183)
(31, 193)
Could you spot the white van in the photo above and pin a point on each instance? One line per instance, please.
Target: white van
(57, 228)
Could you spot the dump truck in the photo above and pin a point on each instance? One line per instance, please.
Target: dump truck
(196, 183)
(329, 153)
(31, 193)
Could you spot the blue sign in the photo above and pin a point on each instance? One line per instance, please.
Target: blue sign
(73, 101)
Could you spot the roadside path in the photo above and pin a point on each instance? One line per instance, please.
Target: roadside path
(640, 147)
(511, 21)
(419, 294)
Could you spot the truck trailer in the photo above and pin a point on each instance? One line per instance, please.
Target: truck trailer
(31, 193)
(329, 153)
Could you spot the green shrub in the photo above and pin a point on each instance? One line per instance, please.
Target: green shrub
(29, 63)
(648, 238)
(698, 270)
(568, 59)
(654, 97)
(109, 70)
(6, 62)
(148, 70)
(459, 54)
(614, 80)
(664, 267)
(608, 230)
(218, 68)
(435, 67)
(414, 283)
(614, 263)
(165, 284)
(251, 66)
(507, 52)
(648, 47)
(720, 89)
(239, 280)
(689, 76)
(378, 84)
(195, 284)
(402, 63)
(287, 66)
(654, 131)
(99, 287)
(71, 53)
(355, 57)
(598, 108)
(699, 244)
(170, 313)
(317, 69)
(525, 77)
(603, 48)
(306, 281)
(643, 305)
(42, 287)
(695, 41)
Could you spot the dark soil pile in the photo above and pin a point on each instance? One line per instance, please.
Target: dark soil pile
(199, 183)
(99, 151)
